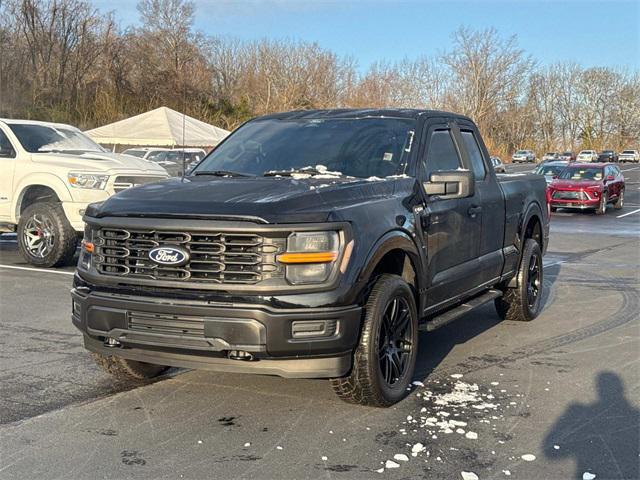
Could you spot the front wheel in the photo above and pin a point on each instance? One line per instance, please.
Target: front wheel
(602, 207)
(45, 237)
(385, 359)
(523, 303)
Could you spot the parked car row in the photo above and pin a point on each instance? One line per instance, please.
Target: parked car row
(584, 156)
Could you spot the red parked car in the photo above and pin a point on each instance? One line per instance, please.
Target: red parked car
(587, 186)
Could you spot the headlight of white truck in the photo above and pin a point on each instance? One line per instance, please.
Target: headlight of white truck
(94, 181)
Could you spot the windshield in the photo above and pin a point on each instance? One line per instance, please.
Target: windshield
(582, 174)
(629, 152)
(41, 138)
(522, 152)
(135, 153)
(353, 147)
(550, 170)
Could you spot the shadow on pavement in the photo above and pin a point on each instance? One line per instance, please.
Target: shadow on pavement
(602, 437)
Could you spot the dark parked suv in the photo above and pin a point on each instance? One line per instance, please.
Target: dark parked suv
(312, 244)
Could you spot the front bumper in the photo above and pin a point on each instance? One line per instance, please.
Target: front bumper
(577, 204)
(198, 334)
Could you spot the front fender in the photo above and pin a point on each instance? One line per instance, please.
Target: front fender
(44, 179)
(391, 240)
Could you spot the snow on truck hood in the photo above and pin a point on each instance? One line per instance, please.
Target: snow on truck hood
(272, 199)
(99, 162)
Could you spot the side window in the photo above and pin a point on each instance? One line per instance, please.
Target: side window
(441, 153)
(6, 149)
(475, 155)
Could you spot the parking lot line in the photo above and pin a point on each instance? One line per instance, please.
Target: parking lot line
(36, 269)
(629, 213)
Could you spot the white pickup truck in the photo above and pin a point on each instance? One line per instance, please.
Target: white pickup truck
(49, 173)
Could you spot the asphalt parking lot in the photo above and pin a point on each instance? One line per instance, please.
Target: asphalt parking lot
(555, 398)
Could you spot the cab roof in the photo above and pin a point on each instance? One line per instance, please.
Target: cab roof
(13, 121)
(354, 113)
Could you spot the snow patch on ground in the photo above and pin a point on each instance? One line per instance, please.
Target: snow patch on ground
(528, 457)
(469, 476)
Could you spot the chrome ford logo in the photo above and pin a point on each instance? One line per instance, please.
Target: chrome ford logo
(173, 256)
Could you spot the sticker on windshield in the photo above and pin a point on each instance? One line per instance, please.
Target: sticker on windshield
(387, 157)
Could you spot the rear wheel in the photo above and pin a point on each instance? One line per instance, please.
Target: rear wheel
(45, 237)
(523, 302)
(619, 203)
(384, 361)
(130, 370)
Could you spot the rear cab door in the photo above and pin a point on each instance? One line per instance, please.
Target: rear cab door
(489, 198)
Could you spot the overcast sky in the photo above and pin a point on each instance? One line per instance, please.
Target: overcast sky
(592, 33)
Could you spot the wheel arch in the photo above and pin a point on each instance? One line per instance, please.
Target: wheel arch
(395, 253)
(43, 187)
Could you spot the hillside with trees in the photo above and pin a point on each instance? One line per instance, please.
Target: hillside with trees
(64, 60)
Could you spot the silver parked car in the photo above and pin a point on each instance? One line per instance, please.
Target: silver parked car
(524, 156)
(629, 156)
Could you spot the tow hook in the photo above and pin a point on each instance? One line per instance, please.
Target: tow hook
(112, 343)
(239, 355)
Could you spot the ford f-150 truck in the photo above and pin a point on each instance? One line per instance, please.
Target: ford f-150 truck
(312, 244)
(49, 173)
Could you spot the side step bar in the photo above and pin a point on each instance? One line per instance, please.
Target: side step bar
(455, 313)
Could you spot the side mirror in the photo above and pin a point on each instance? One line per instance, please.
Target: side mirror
(450, 184)
(7, 152)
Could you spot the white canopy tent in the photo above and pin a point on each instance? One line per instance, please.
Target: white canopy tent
(162, 127)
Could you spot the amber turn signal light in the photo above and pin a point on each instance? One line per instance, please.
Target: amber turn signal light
(308, 257)
(88, 246)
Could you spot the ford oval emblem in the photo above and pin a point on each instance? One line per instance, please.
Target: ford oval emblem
(173, 256)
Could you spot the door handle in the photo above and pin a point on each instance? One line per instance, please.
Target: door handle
(474, 211)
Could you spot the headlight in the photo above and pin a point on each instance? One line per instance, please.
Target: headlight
(88, 247)
(310, 257)
(93, 181)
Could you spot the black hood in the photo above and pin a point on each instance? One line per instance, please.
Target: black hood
(274, 200)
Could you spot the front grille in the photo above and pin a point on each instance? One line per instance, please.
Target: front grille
(569, 195)
(214, 257)
(127, 181)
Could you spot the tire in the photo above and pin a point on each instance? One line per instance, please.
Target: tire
(517, 303)
(129, 370)
(45, 237)
(619, 203)
(373, 381)
(604, 200)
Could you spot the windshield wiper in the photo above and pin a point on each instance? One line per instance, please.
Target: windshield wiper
(222, 173)
(305, 170)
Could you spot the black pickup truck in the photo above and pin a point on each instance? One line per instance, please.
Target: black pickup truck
(311, 244)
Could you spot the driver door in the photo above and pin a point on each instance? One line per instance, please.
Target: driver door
(7, 168)
(450, 227)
